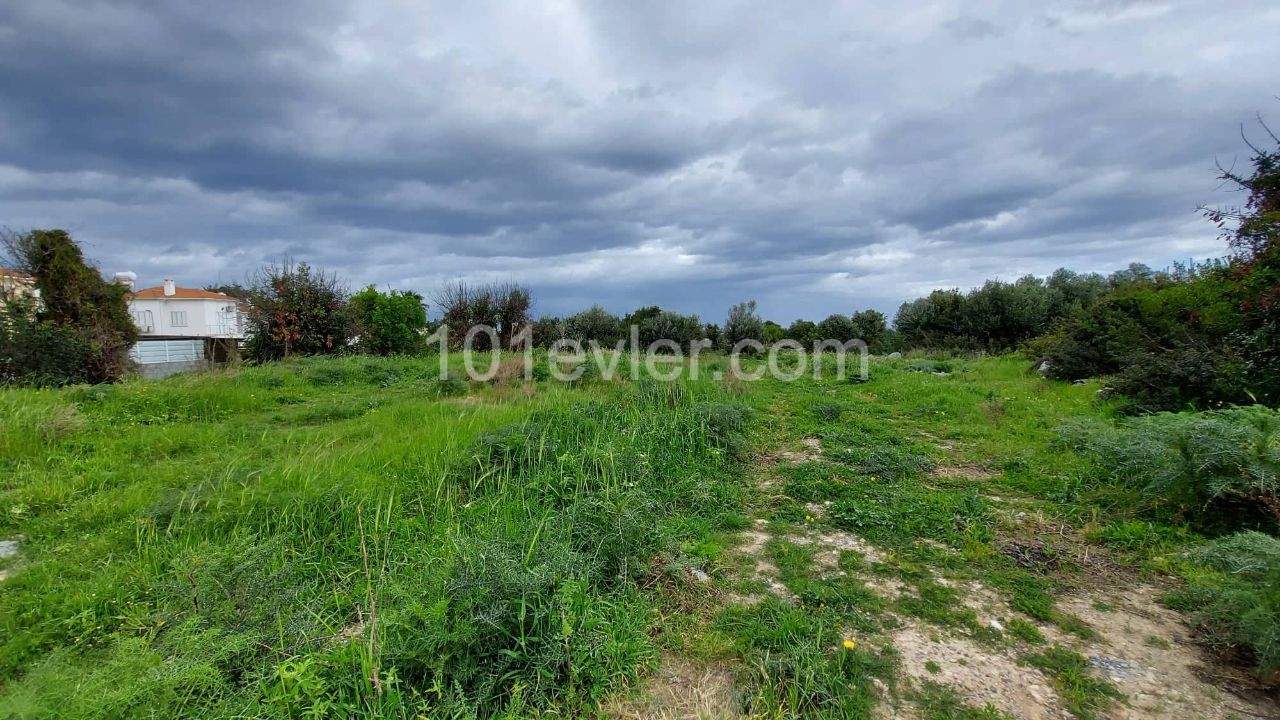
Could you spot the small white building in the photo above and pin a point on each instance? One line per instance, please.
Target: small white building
(14, 284)
(184, 328)
(171, 311)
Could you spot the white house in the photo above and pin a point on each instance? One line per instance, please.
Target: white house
(183, 328)
(14, 284)
(171, 311)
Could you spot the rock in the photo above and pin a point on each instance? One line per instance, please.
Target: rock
(941, 373)
(8, 548)
(894, 356)
(699, 575)
(1043, 370)
(1080, 382)
(995, 625)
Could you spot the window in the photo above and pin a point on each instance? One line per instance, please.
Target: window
(144, 320)
(178, 318)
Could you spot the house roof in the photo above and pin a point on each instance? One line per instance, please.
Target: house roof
(7, 273)
(157, 293)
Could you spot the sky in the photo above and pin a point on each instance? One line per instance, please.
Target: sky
(817, 157)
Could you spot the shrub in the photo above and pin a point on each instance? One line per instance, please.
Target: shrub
(1216, 467)
(297, 310)
(40, 353)
(665, 325)
(594, 324)
(1237, 607)
(389, 323)
(78, 331)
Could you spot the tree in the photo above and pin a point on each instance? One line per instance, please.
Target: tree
(639, 315)
(502, 306)
(870, 327)
(1253, 234)
(594, 324)
(389, 323)
(297, 310)
(547, 330)
(235, 290)
(683, 330)
(837, 327)
(78, 311)
(743, 323)
(772, 332)
(804, 332)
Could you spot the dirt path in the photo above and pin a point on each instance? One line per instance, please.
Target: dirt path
(1140, 650)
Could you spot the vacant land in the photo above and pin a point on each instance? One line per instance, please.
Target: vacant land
(360, 537)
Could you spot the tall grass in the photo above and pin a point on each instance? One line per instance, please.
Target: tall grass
(345, 537)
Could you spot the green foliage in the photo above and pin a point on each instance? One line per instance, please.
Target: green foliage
(513, 550)
(297, 310)
(42, 354)
(683, 330)
(1217, 468)
(1165, 337)
(837, 327)
(804, 332)
(390, 323)
(1237, 606)
(798, 665)
(939, 702)
(1085, 696)
(872, 328)
(998, 316)
(594, 324)
(79, 331)
(742, 324)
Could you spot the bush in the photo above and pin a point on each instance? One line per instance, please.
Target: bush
(297, 310)
(683, 330)
(37, 353)
(390, 323)
(1237, 607)
(1217, 468)
(79, 331)
(594, 325)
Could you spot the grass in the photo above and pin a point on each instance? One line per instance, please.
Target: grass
(360, 537)
(348, 537)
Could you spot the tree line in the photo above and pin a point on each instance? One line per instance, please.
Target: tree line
(1198, 335)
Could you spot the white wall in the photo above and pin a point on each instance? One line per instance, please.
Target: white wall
(204, 318)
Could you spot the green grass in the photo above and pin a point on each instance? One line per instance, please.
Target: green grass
(1084, 694)
(348, 537)
(359, 537)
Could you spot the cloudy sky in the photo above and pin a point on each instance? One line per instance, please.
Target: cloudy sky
(817, 157)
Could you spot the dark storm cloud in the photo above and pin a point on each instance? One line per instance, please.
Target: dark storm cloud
(819, 158)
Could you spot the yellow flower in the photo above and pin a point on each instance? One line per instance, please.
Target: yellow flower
(849, 644)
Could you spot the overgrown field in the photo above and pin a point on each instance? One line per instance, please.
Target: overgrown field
(358, 537)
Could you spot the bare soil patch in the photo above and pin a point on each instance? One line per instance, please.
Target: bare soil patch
(681, 690)
(1147, 651)
(981, 675)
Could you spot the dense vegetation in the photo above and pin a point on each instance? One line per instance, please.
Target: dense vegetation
(77, 331)
(331, 537)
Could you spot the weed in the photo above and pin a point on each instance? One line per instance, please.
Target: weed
(1084, 695)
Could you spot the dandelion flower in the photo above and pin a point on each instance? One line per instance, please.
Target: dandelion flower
(849, 644)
